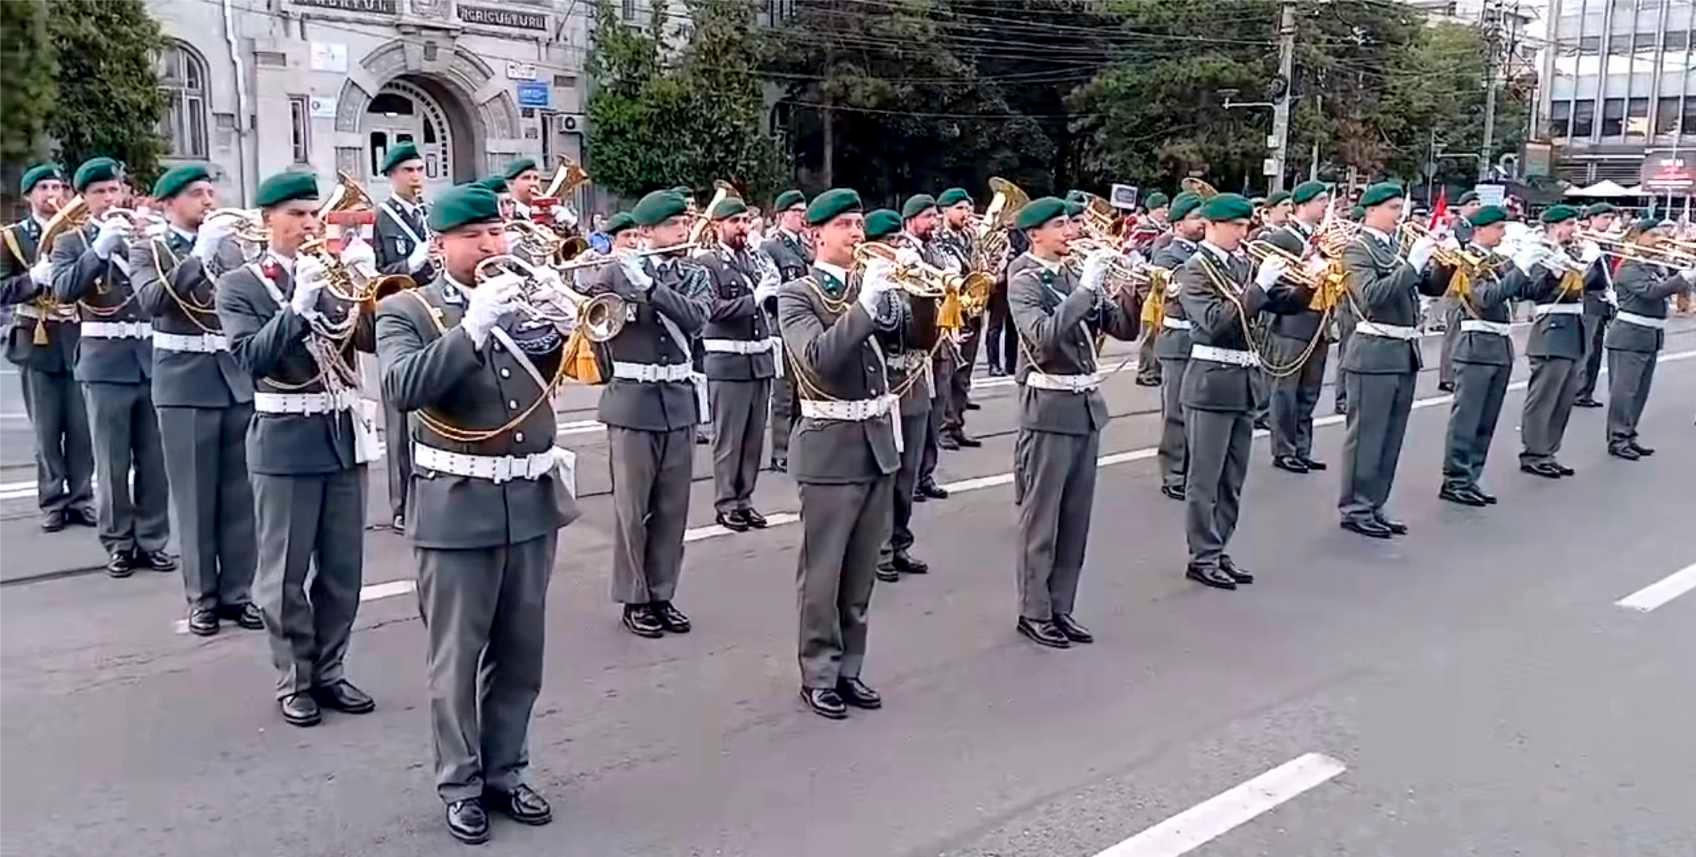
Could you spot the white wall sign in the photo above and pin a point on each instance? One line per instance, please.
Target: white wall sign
(323, 106)
(1491, 194)
(520, 71)
(329, 56)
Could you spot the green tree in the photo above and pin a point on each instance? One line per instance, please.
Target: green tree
(26, 99)
(109, 101)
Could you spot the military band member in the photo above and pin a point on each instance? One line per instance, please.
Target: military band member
(114, 364)
(1172, 348)
(955, 237)
(1280, 207)
(918, 228)
(503, 195)
(1556, 346)
(403, 247)
(1345, 319)
(1223, 383)
(524, 182)
(1468, 205)
(846, 450)
(788, 247)
(1598, 302)
(1296, 395)
(1272, 212)
(306, 449)
(42, 343)
(1154, 222)
(739, 364)
(488, 503)
(203, 399)
(651, 406)
(1638, 334)
(1483, 355)
(1384, 361)
(1061, 413)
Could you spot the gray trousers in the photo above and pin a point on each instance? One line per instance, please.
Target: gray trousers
(1379, 405)
(1629, 376)
(960, 380)
(929, 441)
(1220, 443)
(1548, 403)
(207, 450)
(1452, 315)
(1345, 332)
(651, 471)
(397, 436)
(842, 528)
(1595, 330)
(1479, 390)
(784, 405)
(901, 531)
(1054, 488)
(739, 435)
(1148, 366)
(312, 522)
(484, 612)
(64, 452)
(1294, 398)
(126, 436)
(1171, 457)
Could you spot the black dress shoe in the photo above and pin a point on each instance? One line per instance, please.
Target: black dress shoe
(946, 441)
(82, 516)
(1459, 495)
(1067, 626)
(671, 618)
(701, 438)
(120, 564)
(1368, 527)
(344, 697)
(1290, 463)
(1314, 465)
(1446, 386)
(1488, 498)
(155, 560)
(1340, 408)
(929, 488)
(522, 805)
(965, 441)
(202, 622)
(886, 572)
(53, 521)
(245, 615)
(780, 465)
(1237, 574)
(825, 702)
(1262, 424)
(1565, 470)
(300, 709)
(995, 371)
(1545, 470)
(1586, 403)
(973, 406)
(1043, 634)
(1640, 449)
(906, 563)
(1214, 577)
(1624, 452)
(754, 519)
(858, 694)
(468, 822)
(1396, 528)
(1147, 382)
(1173, 492)
(732, 521)
(642, 622)
(399, 524)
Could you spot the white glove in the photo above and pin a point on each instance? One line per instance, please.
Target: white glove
(309, 277)
(1689, 275)
(1528, 257)
(1421, 252)
(566, 217)
(1094, 273)
(907, 257)
(42, 272)
(635, 273)
(1271, 271)
(491, 301)
(1589, 252)
(418, 258)
(359, 255)
(113, 233)
(765, 291)
(210, 237)
(874, 284)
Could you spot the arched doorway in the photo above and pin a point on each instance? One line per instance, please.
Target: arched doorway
(404, 112)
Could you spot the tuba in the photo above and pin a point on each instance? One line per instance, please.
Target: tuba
(704, 233)
(993, 247)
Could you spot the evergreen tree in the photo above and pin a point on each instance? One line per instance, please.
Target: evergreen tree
(109, 101)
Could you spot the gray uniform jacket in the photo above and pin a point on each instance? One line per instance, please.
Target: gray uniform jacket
(1171, 343)
(102, 292)
(792, 257)
(1058, 321)
(1219, 322)
(1491, 300)
(1293, 238)
(1596, 280)
(17, 255)
(1558, 334)
(731, 314)
(430, 365)
(394, 246)
(836, 355)
(1384, 289)
(269, 343)
(175, 289)
(682, 293)
(912, 338)
(1643, 290)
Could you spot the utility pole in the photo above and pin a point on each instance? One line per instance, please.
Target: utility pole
(1489, 89)
(1281, 112)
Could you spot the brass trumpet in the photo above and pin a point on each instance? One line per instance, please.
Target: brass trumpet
(598, 318)
(919, 279)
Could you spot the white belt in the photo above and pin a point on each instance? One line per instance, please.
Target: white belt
(495, 468)
(1388, 331)
(1081, 383)
(1541, 310)
(199, 343)
(737, 346)
(1641, 320)
(651, 373)
(33, 311)
(304, 403)
(855, 410)
(1224, 355)
(117, 329)
(1171, 323)
(1476, 325)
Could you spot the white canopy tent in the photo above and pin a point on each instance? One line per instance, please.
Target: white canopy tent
(1604, 189)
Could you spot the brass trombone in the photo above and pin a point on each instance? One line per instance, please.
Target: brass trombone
(1666, 251)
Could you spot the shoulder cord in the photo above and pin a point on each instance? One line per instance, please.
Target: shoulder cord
(101, 287)
(1261, 346)
(458, 434)
(192, 310)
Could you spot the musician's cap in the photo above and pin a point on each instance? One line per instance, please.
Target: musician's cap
(1039, 211)
(1077, 197)
(1183, 204)
(1306, 191)
(684, 191)
(1649, 221)
(882, 223)
(400, 155)
(1258, 202)
(1227, 206)
(495, 184)
(1380, 193)
(518, 168)
(177, 179)
(1600, 208)
(730, 206)
(916, 205)
(832, 203)
(1487, 215)
(464, 204)
(284, 187)
(37, 174)
(1559, 213)
(953, 196)
(1357, 213)
(657, 207)
(618, 223)
(1467, 198)
(1277, 198)
(1156, 200)
(1073, 209)
(96, 170)
(789, 199)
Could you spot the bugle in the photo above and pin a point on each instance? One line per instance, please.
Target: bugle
(597, 318)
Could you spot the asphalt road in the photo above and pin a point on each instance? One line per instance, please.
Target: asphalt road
(1470, 689)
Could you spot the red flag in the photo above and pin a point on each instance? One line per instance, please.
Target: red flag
(1440, 209)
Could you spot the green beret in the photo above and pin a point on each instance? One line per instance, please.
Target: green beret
(882, 223)
(1358, 213)
(1156, 200)
(37, 174)
(285, 187)
(1470, 196)
(1073, 209)
(400, 155)
(177, 179)
(656, 207)
(1258, 201)
(492, 183)
(463, 204)
(518, 168)
(1599, 209)
(1380, 193)
(916, 205)
(685, 191)
(618, 223)
(730, 206)
(826, 206)
(1487, 215)
(1040, 211)
(1278, 198)
(1559, 213)
(1306, 191)
(1182, 205)
(953, 196)
(96, 170)
(1077, 197)
(1647, 222)
(1227, 206)
(789, 199)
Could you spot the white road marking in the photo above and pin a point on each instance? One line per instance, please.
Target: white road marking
(1218, 815)
(1661, 591)
(711, 530)
(367, 593)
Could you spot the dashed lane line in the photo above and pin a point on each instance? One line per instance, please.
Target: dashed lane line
(1661, 591)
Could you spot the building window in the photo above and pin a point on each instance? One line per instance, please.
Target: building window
(1559, 113)
(1666, 117)
(1613, 117)
(1583, 119)
(1678, 40)
(300, 125)
(629, 10)
(1688, 129)
(1637, 120)
(182, 77)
